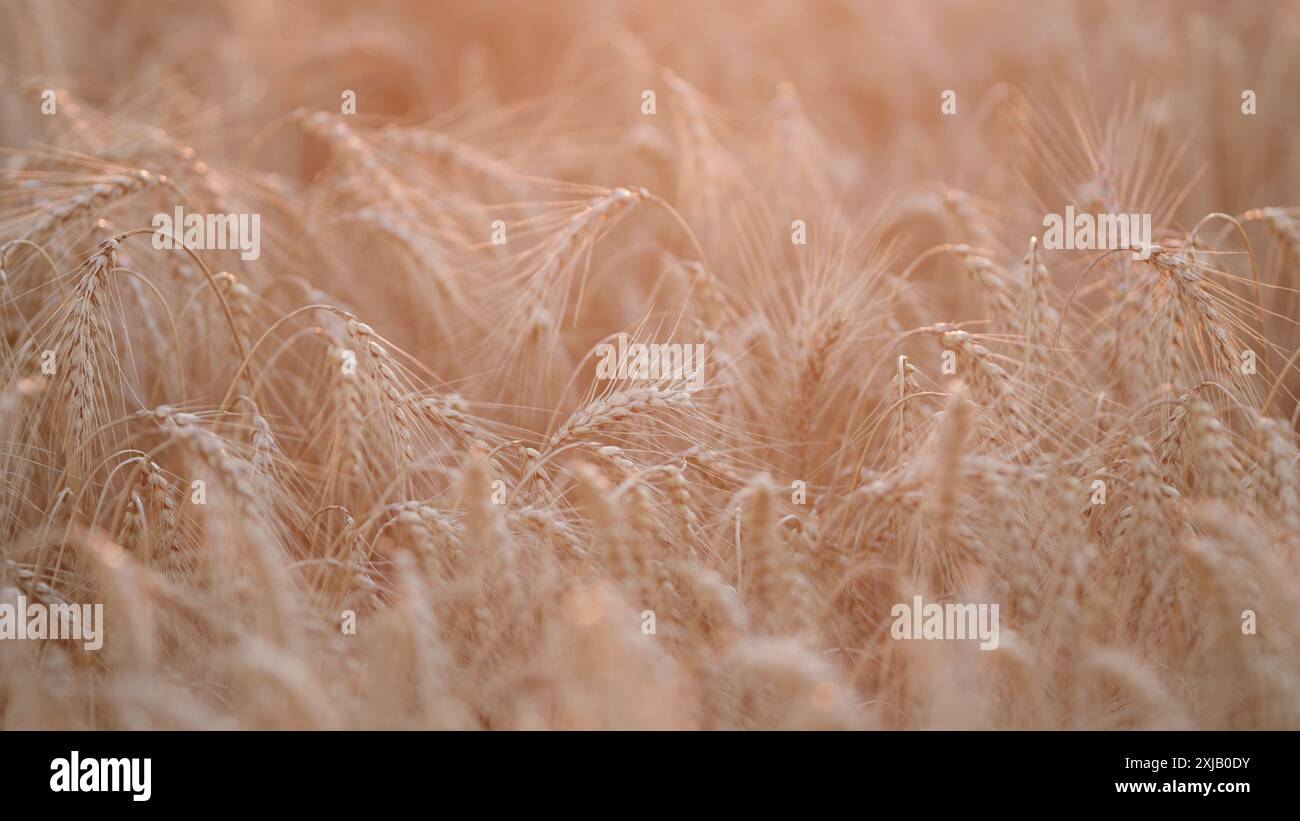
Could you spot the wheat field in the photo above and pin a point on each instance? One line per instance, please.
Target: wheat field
(373, 473)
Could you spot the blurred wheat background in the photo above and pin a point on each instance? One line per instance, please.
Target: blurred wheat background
(503, 526)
